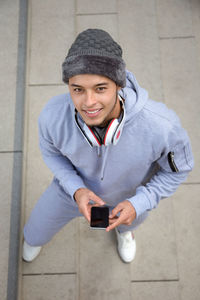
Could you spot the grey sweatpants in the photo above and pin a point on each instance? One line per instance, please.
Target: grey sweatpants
(54, 210)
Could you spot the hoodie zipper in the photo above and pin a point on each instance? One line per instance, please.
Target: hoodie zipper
(104, 157)
(172, 162)
(98, 152)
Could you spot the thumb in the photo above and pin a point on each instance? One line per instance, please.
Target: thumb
(115, 211)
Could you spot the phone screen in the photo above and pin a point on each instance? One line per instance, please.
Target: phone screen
(99, 217)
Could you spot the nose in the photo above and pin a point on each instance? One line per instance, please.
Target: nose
(90, 99)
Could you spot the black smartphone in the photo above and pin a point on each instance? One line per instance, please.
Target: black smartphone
(99, 217)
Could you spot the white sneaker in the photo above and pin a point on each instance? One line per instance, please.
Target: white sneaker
(30, 252)
(126, 246)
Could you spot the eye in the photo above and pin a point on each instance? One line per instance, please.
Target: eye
(101, 89)
(77, 90)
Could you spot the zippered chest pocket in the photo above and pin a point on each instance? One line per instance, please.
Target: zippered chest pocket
(179, 159)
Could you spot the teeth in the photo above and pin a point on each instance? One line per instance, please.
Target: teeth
(92, 112)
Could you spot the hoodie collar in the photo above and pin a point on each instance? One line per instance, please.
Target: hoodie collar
(135, 96)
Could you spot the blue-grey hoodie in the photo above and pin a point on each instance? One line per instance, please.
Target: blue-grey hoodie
(151, 159)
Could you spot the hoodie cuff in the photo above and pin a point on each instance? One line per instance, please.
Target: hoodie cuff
(140, 203)
(70, 187)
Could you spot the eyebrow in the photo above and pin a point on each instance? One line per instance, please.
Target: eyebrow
(102, 83)
(96, 85)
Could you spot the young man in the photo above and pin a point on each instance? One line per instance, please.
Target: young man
(106, 143)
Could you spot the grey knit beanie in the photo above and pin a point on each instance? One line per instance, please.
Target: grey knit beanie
(95, 52)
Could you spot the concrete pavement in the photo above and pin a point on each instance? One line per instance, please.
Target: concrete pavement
(161, 42)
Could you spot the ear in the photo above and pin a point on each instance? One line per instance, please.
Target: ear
(118, 88)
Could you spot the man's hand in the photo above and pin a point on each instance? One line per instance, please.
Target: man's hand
(83, 196)
(127, 215)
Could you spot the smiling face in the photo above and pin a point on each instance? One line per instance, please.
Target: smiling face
(95, 98)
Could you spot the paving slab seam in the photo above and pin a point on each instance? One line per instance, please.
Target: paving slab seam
(176, 37)
(45, 84)
(156, 280)
(16, 151)
(15, 210)
(190, 183)
(96, 14)
(49, 274)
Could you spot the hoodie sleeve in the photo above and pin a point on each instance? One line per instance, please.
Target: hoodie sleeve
(61, 166)
(175, 162)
